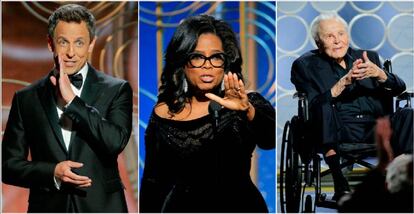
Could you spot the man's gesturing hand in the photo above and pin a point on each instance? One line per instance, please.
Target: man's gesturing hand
(368, 69)
(63, 83)
(64, 173)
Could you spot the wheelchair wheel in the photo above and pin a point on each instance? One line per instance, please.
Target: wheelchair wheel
(290, 181)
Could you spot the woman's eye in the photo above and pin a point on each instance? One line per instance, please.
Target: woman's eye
(197, 57)
(217, 57)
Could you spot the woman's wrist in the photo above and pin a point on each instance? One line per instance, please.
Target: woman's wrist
(250, 111)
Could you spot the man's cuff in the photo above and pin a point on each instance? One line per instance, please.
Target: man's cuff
(388, 83)
(382, 80)
(58, 182)
(67, 105)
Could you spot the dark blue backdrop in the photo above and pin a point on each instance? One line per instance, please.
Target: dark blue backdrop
(264, 38)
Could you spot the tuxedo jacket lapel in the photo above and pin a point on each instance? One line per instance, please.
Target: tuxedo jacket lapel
(47, 97)
(91, 91)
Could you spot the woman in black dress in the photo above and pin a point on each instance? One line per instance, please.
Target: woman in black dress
(198, 161)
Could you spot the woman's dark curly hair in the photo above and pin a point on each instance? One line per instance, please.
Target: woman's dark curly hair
(181, 45)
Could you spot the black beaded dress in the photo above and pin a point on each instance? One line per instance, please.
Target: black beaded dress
(194, 166)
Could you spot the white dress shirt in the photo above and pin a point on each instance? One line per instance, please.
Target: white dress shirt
(66, 122)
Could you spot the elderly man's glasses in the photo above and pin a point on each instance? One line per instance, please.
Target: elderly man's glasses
(197, 60)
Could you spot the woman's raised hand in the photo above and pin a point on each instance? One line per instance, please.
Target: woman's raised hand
(235, 96)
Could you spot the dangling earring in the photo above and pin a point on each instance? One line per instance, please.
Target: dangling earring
(185, 85)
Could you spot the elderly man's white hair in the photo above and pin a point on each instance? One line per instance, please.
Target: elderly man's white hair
(325, 16)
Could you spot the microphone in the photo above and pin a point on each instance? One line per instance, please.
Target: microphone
(213, 109)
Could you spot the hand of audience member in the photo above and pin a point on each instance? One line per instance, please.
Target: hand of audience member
(383, 134)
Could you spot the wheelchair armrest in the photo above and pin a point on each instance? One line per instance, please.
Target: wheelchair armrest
(405, 96)
(303, 110)
(387, 66)
(300, 95)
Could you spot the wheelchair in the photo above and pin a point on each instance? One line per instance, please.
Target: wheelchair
(300, 161)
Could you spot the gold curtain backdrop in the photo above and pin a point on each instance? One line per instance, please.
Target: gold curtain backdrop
(26, 58)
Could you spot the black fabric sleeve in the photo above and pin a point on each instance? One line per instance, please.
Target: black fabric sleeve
(323, 114)
(16, 168)
(155, 183)
(303, 83)
(393, 85)
(110, 132)
(263, 124)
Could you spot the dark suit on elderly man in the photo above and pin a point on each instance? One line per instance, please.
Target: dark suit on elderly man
(314, 73)
(101, 127)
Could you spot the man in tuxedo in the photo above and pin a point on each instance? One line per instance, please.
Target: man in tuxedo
(74, 122)
(347, 90)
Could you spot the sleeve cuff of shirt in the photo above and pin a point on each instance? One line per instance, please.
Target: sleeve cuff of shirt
(388, 82)
(58, 182)
(68, 104)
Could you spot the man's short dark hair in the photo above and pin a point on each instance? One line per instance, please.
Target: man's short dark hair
(72, 13)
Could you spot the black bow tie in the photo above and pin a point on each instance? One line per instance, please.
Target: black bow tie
(76, 80)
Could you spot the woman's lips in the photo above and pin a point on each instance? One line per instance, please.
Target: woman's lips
(207, 78)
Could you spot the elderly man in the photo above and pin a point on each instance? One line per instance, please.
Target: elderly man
(347, 90)
(75, 122)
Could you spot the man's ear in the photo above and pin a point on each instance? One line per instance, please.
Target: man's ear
(50, 44)
(92, 44)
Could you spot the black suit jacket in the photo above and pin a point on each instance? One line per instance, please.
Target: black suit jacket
(313, 74)
(102, 121)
